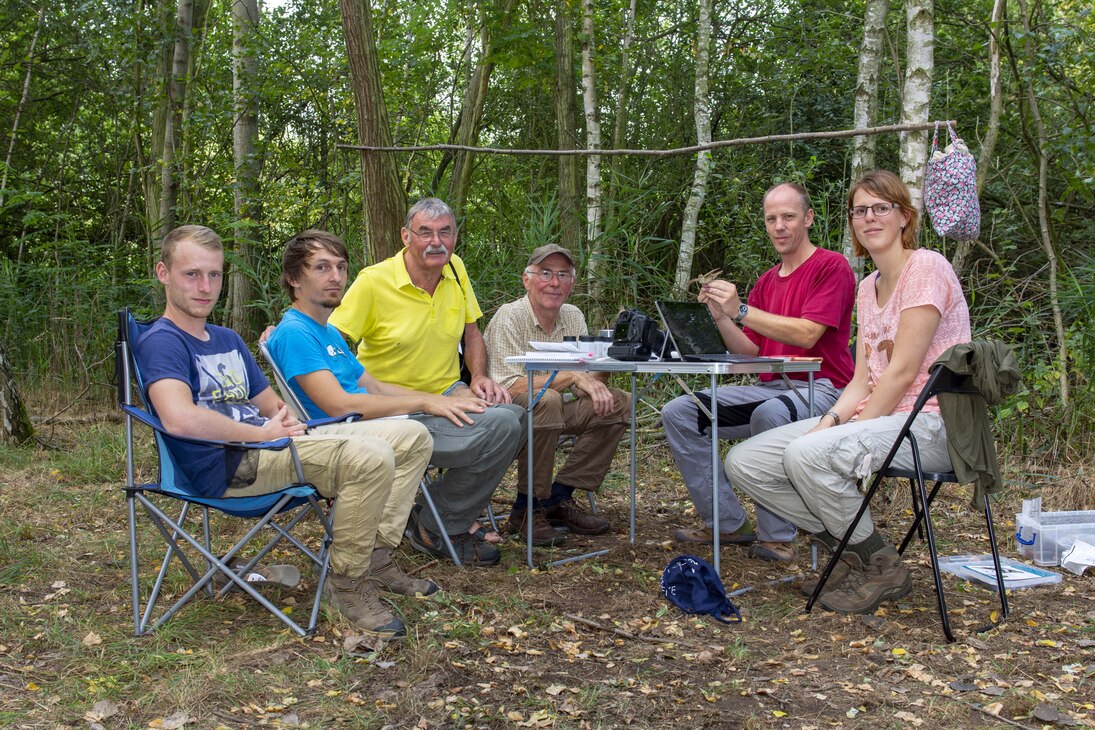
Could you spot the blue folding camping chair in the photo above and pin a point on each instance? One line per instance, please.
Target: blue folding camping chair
(277, 513)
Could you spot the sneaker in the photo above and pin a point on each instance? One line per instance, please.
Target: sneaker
(741, 536)
(386, 575)
(357, 601)
(776, 552)
(568, 514)
(543, 534)
(471, 551)
(885, 578)
(844, 572)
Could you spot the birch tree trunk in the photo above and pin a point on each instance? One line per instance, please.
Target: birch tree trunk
(15, 425)
(702, 112)
(22, 105)
(569, 221)
(865, 112)
(246, 201)
(176, 99)
(1039, 149)
(593, 139)
(916, 97)
(992, 124)
(384, 202)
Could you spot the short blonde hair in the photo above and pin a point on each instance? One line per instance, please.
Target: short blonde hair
(204, 237)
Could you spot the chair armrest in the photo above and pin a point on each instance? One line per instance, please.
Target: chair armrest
(345, 418)
(154, 423)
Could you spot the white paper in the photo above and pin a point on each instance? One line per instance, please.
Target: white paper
(552, 357)
(555, 346)
(1012, 574)
(1078, 557)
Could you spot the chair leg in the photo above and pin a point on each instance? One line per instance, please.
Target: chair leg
(592, 502)
(924, 503)
(996, 560)
(492, 518)
(441, 525)
(138, 627)
(917, 525)
(916, 513)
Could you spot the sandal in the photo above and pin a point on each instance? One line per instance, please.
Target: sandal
(482, 534)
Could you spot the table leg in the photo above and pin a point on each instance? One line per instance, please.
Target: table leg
(714, 470)
(631, 531)
(528, 450)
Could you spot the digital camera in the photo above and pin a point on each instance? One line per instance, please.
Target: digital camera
(635, 337)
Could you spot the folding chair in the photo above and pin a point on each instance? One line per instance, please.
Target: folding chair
(941, 380)
(279, 511)
(290, 397)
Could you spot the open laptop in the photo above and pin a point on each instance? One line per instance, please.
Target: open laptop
(695, 336)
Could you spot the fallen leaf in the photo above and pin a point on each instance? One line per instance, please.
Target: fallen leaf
(779, 713)
(555, 689)
(994, 708)
(92, 639)
(101, 710)
(962, 686)
(909, 718)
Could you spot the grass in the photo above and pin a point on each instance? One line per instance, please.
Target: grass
(497, 647)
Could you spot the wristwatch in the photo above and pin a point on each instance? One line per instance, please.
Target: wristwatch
(742, 311)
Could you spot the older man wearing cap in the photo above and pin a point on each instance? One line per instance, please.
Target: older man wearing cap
(576, 403)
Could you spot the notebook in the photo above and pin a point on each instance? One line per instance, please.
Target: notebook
(695, 336)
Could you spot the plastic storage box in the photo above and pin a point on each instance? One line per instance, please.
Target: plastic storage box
(1044, 536)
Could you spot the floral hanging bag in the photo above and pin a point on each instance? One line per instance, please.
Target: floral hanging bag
(950, 189)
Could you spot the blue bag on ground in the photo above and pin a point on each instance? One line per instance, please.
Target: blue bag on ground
(692, 585)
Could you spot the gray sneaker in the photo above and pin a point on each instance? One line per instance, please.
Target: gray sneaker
(356, 600)
(386, 575)
(885, 578)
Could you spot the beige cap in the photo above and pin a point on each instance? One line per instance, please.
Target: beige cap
(544, 251)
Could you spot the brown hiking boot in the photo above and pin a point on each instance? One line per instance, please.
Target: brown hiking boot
(386, 575)
(844, 572)
(568, 514)
(543, 534)
(356, 600)
(885, 578)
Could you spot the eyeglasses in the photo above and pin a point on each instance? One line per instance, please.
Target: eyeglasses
(879, 209)
(426, 234)
(546, 275)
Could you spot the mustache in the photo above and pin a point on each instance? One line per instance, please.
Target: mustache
(436, 249)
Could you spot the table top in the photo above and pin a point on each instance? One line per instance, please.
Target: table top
(608, 365)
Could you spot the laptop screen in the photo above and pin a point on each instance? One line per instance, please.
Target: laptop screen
(694, 331)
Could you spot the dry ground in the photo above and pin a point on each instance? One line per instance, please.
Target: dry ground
(590, 644)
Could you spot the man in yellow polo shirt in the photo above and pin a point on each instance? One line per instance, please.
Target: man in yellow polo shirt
(408, 314)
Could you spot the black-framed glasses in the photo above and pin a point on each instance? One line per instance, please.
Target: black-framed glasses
(546, 275)
(879, 209)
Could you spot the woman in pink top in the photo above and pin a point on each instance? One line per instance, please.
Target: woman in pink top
(910, 310)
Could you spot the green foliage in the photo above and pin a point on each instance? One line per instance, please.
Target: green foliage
(79, 207)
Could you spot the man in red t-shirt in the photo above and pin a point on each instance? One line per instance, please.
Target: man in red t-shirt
(801, 306)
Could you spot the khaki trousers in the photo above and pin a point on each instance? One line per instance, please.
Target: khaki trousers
(812, 479)
(370, 468)
(591, 457)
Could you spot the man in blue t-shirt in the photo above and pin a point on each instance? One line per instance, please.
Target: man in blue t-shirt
(473, 442)
(203, 383)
